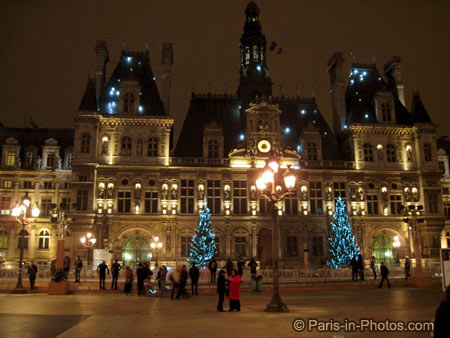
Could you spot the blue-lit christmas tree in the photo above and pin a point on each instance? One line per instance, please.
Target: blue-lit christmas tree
(203, 245)
(343, 246)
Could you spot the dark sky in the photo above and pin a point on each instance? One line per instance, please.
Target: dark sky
(47, 48)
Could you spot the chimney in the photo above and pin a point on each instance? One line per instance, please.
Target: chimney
(102, 59)
(337, 90)
(393, 72)
(167, 61)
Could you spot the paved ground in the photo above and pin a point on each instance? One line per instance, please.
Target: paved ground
(116, 315)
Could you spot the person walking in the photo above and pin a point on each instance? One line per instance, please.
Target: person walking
(32, 272)
(221, 289)
(253, 265)
(441, 322)
(194, 274)
(101, 270)
(372, 266)
(78, 267)
(66, 267)
(128, 280)
(212, 266)
(140, 274)
(183, 280)
(161, 279)
(384, 272)
(235, 291)
(115, 268)
(240, 266)
(229, 266)
(361, 267)
(175, 279)
(407, 267)
(354, 265)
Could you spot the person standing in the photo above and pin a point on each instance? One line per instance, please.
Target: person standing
(221, 289)
(354, 265)
(235, 291)
(361, 267)
(115, 268)
(194, 274)
(175, 279)
(161, 279)
(183, 280)
(140, 274)
(101, 270)
(407, 267)
(78, 267)
(32, 272)
(240, 266)
(441, 322)
(212, 269)
(253, 265)
(128, 280)
(229, 266)
(372, 266)
(384, 272)
(66, 267)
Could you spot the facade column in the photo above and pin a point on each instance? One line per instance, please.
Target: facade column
(32, 242)
(254, 244)
(227, 240)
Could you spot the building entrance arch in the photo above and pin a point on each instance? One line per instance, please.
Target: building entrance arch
(383, 250)
(136, 249)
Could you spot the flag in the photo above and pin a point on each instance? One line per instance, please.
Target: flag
(272, 46)
(279, 50)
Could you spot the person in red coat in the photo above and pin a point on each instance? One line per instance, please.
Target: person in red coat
(235, 291)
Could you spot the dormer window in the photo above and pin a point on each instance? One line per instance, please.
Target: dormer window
(247, 55)
(29, 159)
(386, 112)
(385, 109)
(428, 155)
(85, 143)
(311, 151)
(213, 149)
(128, 103)
(11, 160)
(51, 158)
(255, 53)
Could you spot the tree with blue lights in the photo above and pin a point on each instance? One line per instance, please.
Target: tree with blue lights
(343, 246)
(203, 245)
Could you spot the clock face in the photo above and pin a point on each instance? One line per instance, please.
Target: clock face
(264, 146)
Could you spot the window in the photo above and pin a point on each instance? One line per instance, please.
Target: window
(151, 202)
(128, 103)
(8, 184)
(65, 204)
(139, 147)
(126, 146)
(104, 147)
(46, 206)
(124, 201)
(5, 205)
(442, 167)
(67, 185)
(396, 204)
(386, 112)
(433, 202)
(317, 245)
(48, 185)
(51, 159)
(11, 160)
(427, 152)
(69, 160)
(372, 204)
(152, 146)
(240, 197)
(29, 159)
(44, 239)
(291, 243)
(264, 206)
(85, 143)
(25, 239)
(83, 178)
(82, 200)
(240, 246)
(447, 209)
(368, 152)
(255, 53)
(185, 243)
(291, 204)
(315, 193)
(214, 198)
(3, 239)
(187, 197)
(27, 185)
(213, 149)
(311, 151)
(390, 153)
(339, 191)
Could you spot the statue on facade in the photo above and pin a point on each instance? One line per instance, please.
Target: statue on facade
(38, 163)
(164, 193)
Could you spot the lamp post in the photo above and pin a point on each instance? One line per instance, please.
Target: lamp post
(155, 245)
(88, 241)
(59, 217)
(411, 217)
(269, 183)
(20, 212)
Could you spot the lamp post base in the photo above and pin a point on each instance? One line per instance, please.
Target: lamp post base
(19, 290)
(276, 305)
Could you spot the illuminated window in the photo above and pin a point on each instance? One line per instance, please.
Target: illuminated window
(368, 152)
(5, 205)
(255, 53)
(44, 239)
(8, 184)
(213, 149)
(3, 239)
(390, 153)
(11, 160)
(128, 103)
(427, 152)
(126, 146)
(152, 146)
(85, 143)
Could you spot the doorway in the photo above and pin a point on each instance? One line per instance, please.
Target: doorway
(136, 250)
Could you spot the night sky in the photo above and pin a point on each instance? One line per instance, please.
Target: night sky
(47, 49)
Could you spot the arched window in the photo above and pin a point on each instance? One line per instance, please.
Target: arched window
(386, 112)
(128, 103)
(44, 239)
(126, 146)
(427, 152)
(152, 146)
(255, 53)
(139, 147)
(3, 239)
(311, 151)
(85, 143)
(213, 149)
(247, 55)
(25, 239)
(390, 153)
(368, 152)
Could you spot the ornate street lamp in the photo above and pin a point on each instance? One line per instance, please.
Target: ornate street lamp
(88, 241)
(155, 245)
(270, 184)
(412, 217)
(59, 217)
(20, 213)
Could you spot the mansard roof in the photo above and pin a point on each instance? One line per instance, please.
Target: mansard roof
(418, 112)
(89, 100)
(133, 66)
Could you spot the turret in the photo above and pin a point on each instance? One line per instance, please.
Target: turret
(167, 61)
(102, 59)
(337, 90)
(393, 72)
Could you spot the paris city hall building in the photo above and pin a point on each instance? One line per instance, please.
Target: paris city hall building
(118, 174)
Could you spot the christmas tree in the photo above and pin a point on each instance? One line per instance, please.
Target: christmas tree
(342, 242)
(203, 245)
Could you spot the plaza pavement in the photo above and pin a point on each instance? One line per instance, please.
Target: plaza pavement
(117, 315)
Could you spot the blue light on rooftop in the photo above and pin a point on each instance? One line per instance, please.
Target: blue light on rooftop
(129, 59)
(258, 68)
(299, 148)
(359, 100)
(118, 80)
(355, 71)
(352, 81)
(287, 130)
(303, 111)
(141, 109)
(379, 78)
(131, 69)
(242, 137)
(154, 78)
(314, 121)
(117, 93)
(345, 126)
(366, 116)
(139, 62)
(325, 133)
(240, 107)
